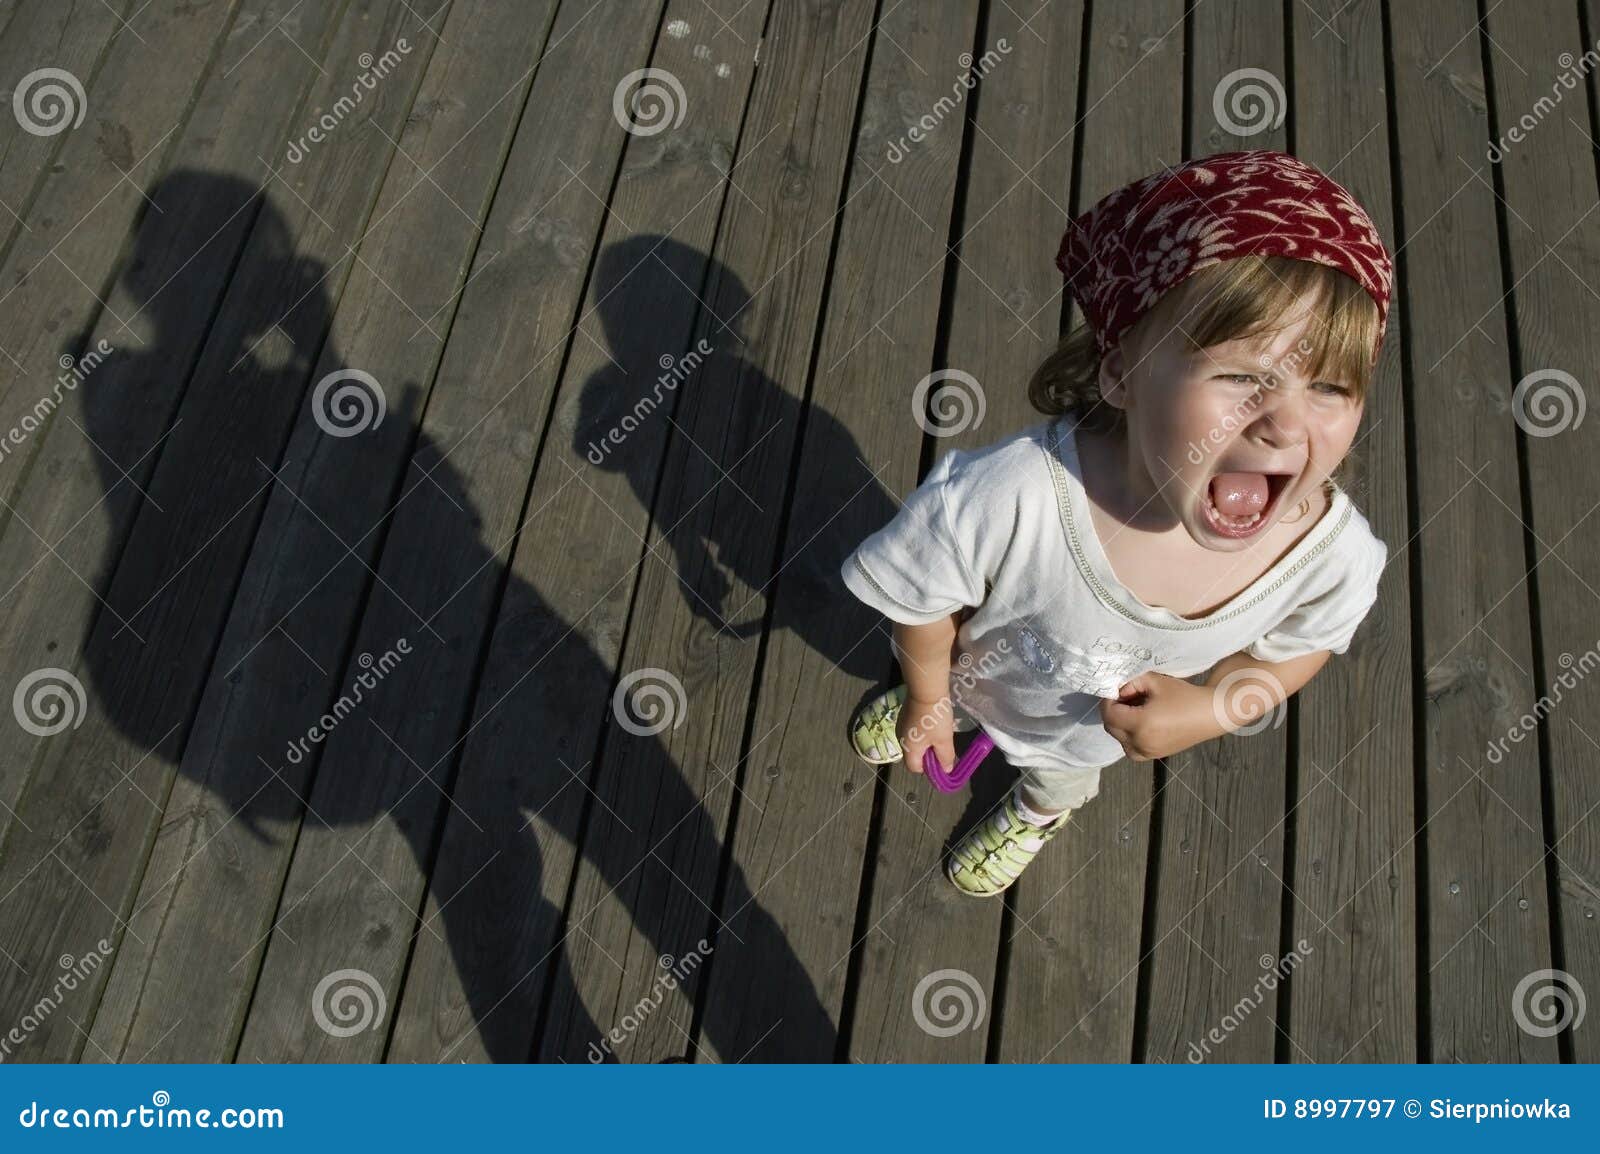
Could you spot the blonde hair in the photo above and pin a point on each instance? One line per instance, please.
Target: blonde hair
(1248, 296)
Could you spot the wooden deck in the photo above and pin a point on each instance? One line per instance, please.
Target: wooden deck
(473, 840)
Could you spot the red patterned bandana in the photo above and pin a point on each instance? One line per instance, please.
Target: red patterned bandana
(1146, 237)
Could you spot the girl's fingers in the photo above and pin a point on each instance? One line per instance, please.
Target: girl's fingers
(945, 751)
(1113, 713)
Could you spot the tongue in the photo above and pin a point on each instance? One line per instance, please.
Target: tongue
(1239, 494)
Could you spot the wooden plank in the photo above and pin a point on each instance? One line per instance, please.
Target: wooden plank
(302, 591)
(57, 267)
(72, 869)
(1004, 312)
(1482, 826)
(1075, 945)
(1219, 882)
(1353, 817)
(802, 835)
(71, 35)
(58, 551)
(1551, 230)
(498, 889)
(646, 887)
(54, 275)
(355, 884)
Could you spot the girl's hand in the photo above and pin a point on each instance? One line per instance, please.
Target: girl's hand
(1157, 716)
(926, 725)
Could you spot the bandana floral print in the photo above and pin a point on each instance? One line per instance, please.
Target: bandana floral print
(1144, 238)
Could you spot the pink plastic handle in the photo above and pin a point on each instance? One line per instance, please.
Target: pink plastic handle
(966, 765)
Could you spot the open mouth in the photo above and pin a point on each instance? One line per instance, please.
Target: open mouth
(1241, 504)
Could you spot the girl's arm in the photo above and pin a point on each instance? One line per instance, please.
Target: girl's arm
(1158, 715)
(927, 718)
(924, 652)
(1258, 686)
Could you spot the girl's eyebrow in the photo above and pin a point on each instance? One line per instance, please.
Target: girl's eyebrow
(1250, 358)
(1241, 366)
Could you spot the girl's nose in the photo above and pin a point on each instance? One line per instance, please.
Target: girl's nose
(1280, 419)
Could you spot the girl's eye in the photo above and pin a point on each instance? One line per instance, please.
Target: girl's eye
(1241, 378)
(1331, 389)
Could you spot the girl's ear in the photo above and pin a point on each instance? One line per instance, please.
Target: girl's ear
(1113, 390)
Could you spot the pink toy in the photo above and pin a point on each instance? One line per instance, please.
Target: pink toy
(966, 765)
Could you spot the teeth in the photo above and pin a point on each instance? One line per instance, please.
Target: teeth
(1231, 521)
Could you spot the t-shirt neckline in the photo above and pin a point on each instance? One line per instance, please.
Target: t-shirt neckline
(1061, 451)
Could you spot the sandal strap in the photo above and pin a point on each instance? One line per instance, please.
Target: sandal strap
(993, 855)
(874, 730)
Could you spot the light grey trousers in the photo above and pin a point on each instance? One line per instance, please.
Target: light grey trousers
(1053, 789)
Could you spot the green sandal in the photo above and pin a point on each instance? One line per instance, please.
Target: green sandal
(985, 862)
(873, 730)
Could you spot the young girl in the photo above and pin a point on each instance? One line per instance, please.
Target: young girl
(1178, 514)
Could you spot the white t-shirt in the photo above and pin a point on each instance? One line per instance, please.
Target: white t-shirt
(1007, 530)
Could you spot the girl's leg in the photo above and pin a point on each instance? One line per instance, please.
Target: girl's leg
(1045, 794)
